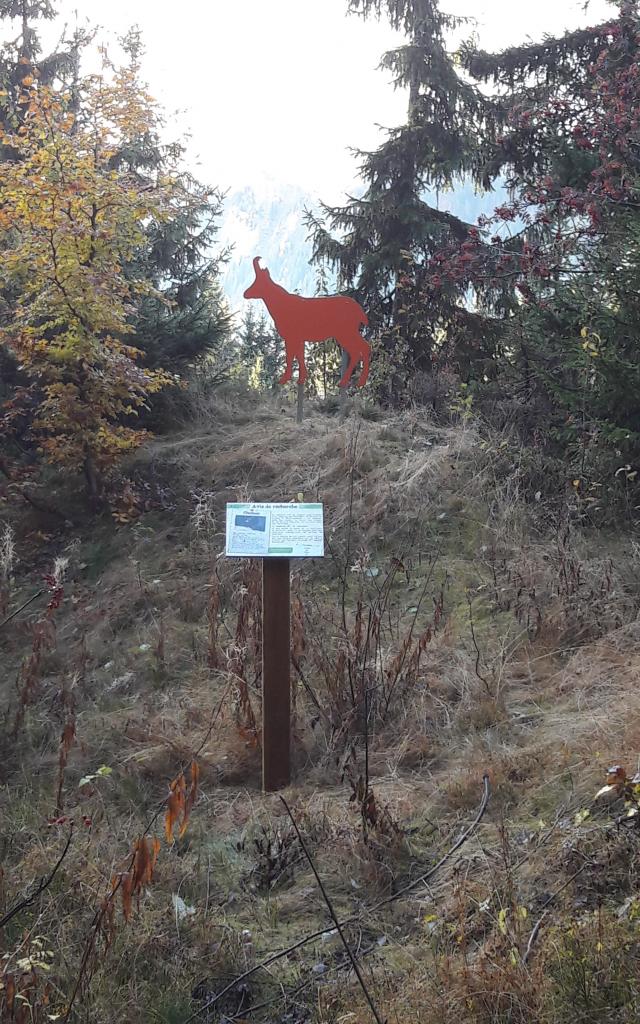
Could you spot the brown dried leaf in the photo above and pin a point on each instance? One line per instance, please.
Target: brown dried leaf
(190, 798)
(616, 775)
(141, 864)
(148, 855)
(10, 991)
(68, 735)
(175, 806)
(126, 889)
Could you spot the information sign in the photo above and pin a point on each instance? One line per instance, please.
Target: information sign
(275, 530)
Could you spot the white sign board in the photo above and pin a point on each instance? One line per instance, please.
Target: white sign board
(275, 530)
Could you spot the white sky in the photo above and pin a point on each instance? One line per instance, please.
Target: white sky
(280, 89)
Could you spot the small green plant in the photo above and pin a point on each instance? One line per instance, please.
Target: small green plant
(461, 405)
(102, 772)
(591, 972)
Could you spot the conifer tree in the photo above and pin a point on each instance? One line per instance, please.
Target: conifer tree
(463, 125)
(185, 316)
(260, 351)
(21, 59)
(381, 242)
(571, 144)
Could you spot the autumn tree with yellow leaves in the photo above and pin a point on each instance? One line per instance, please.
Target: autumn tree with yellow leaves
(75, 218)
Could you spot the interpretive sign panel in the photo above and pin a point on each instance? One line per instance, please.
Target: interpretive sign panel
(275, 530)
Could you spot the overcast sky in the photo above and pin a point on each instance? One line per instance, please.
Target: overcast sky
(282, 88)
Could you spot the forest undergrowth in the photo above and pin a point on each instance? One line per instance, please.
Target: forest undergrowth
(464, 681)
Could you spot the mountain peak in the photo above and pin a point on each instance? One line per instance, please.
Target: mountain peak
(267, 219)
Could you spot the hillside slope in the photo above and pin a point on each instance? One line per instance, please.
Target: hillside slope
(464, 640)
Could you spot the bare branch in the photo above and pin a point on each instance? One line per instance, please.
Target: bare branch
(21, 608)
(26, 901)
(334, 916)
(264, 964)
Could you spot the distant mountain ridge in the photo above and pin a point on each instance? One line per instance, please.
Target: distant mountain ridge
(267, 220)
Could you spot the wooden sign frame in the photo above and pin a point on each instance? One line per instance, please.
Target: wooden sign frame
(258, 530)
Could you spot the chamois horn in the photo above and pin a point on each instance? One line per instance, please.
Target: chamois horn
(256, 264)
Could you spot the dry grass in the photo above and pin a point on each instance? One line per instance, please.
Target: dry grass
(528, 672)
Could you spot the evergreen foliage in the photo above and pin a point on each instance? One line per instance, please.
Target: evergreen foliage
(463, 124)
(541, 296)
(573, 259)
(184, 317)
(260, 351)
(381, 243)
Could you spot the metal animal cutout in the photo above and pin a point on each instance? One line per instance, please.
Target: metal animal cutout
(299, 319)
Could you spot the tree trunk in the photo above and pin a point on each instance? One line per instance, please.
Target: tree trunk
(93, 478)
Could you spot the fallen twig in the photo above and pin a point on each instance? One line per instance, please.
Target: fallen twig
(533, 937)
(290, 997)
(447, 856)
(22, 607)
(547, 902)
(264, 964)
(334, 916)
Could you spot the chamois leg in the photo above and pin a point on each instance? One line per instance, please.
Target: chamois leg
(302, 366)
(354, 356)
(358, 350)
(290, 353)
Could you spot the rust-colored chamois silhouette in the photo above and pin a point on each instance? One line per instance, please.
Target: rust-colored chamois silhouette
(298, 319)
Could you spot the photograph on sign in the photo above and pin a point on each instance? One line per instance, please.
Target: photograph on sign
(276, 530)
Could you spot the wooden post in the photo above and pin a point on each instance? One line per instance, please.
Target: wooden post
(276, 684)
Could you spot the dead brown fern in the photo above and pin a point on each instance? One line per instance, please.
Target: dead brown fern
(137, 873)
(43, 639)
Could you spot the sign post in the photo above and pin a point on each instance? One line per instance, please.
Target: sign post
(275, 532)
(276, 677)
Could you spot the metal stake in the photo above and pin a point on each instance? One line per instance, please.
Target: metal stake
(300, 403)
